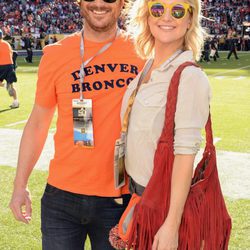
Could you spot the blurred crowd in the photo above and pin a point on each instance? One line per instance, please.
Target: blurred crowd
(224, 14)
(43, 18)
(39, 17)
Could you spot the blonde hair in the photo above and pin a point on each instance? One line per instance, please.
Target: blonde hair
(144, 41)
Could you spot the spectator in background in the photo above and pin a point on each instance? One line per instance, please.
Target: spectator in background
(216, 46)
(54, 39)
(16, 44)
(222, 42)
(214, 49)
(22, 43)
(233, 47)
(28, 46)
(39, 45)
(7, 70)
(206, 50)
(50, 41)
(14, 57)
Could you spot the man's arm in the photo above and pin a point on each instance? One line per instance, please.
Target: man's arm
(32, 142)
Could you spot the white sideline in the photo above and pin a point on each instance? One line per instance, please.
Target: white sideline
(234, 168)
(230, 70)
(16, 123)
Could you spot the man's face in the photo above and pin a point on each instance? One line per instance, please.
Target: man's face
(99, 15)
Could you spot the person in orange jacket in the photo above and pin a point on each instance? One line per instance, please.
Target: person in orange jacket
(7, 70)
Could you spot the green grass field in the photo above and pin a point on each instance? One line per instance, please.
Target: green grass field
(17, 236)
(230, 107)
(230, 104)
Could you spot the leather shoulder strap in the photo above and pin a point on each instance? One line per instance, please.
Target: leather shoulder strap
(168, 129)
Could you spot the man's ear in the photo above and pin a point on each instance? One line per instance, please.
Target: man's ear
(122, 4)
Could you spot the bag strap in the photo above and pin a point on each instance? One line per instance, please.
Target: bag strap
(168, 130)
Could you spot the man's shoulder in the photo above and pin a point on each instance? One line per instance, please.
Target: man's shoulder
(6, 46)
(69, 39)
(62, 46)
(4, 42)
(125, 46)
(125, 38)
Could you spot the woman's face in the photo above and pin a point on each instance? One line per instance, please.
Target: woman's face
(166, 29)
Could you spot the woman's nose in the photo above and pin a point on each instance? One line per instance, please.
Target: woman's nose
(167, 16)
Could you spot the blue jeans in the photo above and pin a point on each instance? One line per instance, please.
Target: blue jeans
(68, 218)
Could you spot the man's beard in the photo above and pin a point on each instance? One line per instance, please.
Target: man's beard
(102, 28)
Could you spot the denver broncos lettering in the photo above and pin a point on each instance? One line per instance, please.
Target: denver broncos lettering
(105, 84)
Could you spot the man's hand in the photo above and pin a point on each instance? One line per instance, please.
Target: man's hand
(33, 139)
(20, 204)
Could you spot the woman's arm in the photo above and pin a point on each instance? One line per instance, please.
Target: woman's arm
(191, 116)
(167, 236)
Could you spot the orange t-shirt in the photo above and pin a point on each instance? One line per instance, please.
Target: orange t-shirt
(84, 170)
(5, 53)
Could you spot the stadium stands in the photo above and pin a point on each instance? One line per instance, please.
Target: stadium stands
(43, 18)
(225, 14)
(39, 17)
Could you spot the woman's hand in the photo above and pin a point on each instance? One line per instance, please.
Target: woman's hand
(166, 238)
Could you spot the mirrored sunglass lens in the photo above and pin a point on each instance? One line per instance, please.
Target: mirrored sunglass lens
(178, 11)
(157, 10)
(106, 1)
(109, 1)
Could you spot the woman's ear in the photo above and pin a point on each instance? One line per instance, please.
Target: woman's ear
(189, 22)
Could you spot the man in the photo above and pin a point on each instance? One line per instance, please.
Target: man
(28, 47)
(232, 41)
(206, 50)
(80, 198)
(214, 49)
(7, 70)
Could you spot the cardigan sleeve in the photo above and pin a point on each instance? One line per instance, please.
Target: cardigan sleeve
(192, 110)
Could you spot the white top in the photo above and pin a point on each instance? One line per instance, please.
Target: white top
(148, 115)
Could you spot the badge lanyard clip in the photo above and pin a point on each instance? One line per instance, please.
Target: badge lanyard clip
(82, 108)
(84, 63)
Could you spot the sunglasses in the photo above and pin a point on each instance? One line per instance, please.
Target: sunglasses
(158, 9)
(106, 1)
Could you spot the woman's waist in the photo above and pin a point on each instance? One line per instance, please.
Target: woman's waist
(135, 187)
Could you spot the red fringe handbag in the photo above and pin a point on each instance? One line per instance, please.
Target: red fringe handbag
(205, 223)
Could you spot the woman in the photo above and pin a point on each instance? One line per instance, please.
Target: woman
(167, 33)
